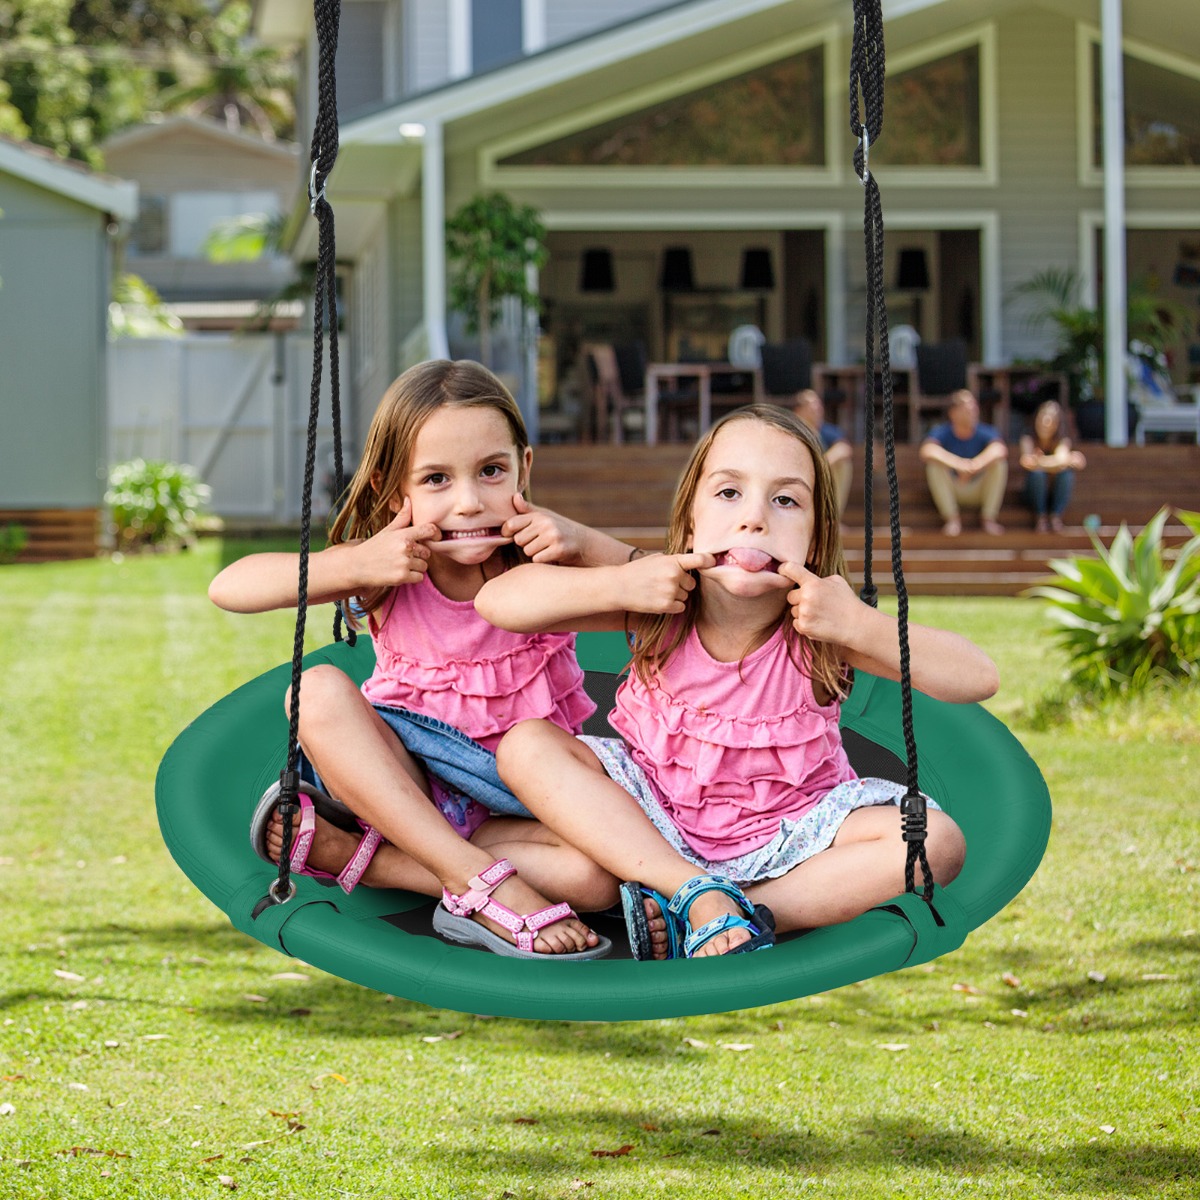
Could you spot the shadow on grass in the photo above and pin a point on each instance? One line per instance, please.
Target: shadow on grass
(879, 1144)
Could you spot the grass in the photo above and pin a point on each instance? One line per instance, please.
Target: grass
(148, 1050)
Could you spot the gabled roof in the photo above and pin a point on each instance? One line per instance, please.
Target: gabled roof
(75, 181)
(167, 127)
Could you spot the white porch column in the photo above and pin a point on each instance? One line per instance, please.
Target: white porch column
(1116, 335)
(433, 239)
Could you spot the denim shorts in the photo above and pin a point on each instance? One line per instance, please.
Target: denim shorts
(466, 785)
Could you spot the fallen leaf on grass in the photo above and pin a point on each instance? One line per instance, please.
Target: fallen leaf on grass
(1019, 1012)
(736, 1045)
(293, 1127)
(154, 1037)
(76, 1151)
(696, 1043)
(11, 1078)
(711, 1133)
(969, 988)
(316, 1083)
(283, 1116)
(1009, 978)
(1097, 976)
(227, 1181)
(576, 1184)
(649, 1128)
(1108, 1129)
(619, 1153)
(7, 1110)
(1156, 978)
(444, 1037)
(213, 1158)
(292, 976)
(524, 1120)
(70, 976)
(254, 998)
(894, 1046)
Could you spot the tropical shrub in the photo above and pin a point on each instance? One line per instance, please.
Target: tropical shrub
(154, 503)
(13, 539)
(1130, 616)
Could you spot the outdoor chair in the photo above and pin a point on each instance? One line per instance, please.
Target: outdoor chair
(941, 371)
(612, 409)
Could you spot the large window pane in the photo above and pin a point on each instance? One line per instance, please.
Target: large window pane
(773, 116)
(931, 114)
(1162, 115)
(495, 33)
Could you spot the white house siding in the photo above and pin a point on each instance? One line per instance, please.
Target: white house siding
(568, 19)
(427, 27)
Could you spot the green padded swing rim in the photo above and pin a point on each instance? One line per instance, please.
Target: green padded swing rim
(214, 773)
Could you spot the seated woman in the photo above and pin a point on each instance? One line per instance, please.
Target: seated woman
(1050, 463)
(839, 454)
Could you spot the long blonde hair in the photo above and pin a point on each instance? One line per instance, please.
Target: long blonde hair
(659, 636)
(387, 457)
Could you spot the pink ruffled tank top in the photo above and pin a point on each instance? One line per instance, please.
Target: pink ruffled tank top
(730, 752)
(438, 656)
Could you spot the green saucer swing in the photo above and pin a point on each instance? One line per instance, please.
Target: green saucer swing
(213, 775)
(971, 764)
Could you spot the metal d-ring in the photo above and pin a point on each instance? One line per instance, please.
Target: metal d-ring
(866, 149)
(314, 197)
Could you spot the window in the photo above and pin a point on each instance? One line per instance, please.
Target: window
(772, 116)
(1162, 114)
(932, 114)
(194, 215)
(150, 229)
(496, 33)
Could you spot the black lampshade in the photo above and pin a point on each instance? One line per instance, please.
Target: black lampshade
(912, 270)
(596, 271)
(758, 271)
(676, 270)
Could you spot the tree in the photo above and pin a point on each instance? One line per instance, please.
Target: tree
(492, 242)
(235, 81)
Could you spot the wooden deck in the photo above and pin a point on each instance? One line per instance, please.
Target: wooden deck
(627, 491)
(55, 534)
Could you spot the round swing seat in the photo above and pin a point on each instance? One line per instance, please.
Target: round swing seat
(214, 773)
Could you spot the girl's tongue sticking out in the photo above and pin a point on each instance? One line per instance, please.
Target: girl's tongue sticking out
(748, 558)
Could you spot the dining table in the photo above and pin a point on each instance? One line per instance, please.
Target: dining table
(704, 373)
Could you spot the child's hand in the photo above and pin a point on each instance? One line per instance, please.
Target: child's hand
(546, 537)
(397, 553)
(823, 607)
(660, 583)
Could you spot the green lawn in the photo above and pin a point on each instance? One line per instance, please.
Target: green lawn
(148, 1050)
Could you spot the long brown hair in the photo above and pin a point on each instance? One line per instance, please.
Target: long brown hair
(659, 636)
(387, 457)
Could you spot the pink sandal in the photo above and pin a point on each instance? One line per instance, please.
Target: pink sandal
(310, 799)
(452, 919)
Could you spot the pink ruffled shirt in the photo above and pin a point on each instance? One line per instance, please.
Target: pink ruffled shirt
(438, 656)
(730, 752)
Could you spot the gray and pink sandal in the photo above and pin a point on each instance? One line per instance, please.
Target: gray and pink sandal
(312, 802)
(452, 919)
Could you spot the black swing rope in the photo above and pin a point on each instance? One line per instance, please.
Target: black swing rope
(867, 73)
(323, 155)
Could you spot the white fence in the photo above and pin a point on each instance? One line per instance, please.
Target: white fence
(234, 406)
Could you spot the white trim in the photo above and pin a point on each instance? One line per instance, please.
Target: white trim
(1087, 35)
(584, 220)
(116, 196)
(987, 221)
(533, 26)
(433, 239)
(565, 64)
(826, 36)
(987, 174)
(458, 28)
(1116, 292)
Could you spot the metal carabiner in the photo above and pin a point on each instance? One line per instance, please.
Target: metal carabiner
(314, 197)
(866, 149)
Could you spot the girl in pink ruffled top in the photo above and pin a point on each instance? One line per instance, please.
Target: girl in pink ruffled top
(400, 783)
(745, 635)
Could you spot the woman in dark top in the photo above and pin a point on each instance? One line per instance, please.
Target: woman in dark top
(1050, 464)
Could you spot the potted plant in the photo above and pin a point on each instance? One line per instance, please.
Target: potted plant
(491, 243)
(1153, 325)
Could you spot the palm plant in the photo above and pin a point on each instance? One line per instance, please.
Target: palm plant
(235, 81)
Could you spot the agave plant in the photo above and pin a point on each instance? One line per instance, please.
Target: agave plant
(1131, 615)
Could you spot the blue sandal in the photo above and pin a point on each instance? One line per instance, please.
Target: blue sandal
(682, 940)
(758, 918)
(637, 924)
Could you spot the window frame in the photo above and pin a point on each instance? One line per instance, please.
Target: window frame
(986, 174)
(827, 37)
(1087, 37)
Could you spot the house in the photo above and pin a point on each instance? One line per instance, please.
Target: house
(59, 225)
(719, 129)
(192, 174)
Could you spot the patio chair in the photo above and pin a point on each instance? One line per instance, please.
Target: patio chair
(941, 371)
(612, 408)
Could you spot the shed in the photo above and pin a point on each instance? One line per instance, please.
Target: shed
(55, 273)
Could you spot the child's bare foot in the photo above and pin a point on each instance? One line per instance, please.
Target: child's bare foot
(991, 526)
(708, 906)
(563, 937)
(657, 924)
(952, 527)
